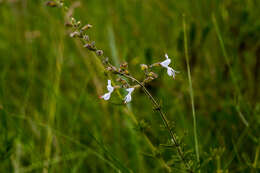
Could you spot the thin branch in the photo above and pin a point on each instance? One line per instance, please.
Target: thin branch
(164, 119)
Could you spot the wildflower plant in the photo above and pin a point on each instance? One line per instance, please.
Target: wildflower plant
(125, 80)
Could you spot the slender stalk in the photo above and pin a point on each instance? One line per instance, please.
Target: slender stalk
(232, 75)
(164, 119)
(191, 92)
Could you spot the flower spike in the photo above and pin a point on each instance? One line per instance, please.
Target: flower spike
(128, 97)
(110, 89)
(166, 64)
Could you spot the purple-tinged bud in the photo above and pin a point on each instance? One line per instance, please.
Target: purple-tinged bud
(89, 47)
(93, 43)
(99, 52)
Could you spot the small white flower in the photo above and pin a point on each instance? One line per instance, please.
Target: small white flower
(110, 90)
(109, 86)
(165, 64)
(128, 97)
(171, 72)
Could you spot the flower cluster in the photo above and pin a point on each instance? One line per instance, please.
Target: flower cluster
(149, 77)
(110, 89)
(80, 31)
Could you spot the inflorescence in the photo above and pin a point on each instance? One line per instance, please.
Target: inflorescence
(80, 31)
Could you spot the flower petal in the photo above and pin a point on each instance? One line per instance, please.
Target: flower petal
(108, 82)
(109, 86)
(171, 72)
(165, 63)
(130, 90)
(106, 96)
(128, 97)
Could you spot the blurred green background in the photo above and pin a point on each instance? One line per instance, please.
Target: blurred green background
(51, 119)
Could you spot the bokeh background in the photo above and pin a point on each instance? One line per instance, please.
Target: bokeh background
(51, 119)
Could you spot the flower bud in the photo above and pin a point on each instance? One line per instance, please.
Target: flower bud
(86, 27)
(153, 75)
(93, 43)
(144, 67)
(105, 61)
(121, 81)
(124, 65)
(99, 52)
(86, 38)
(109, 69)
(78, 23)
(73, 21)
(126, 72)
(75, 34)
(89, 47)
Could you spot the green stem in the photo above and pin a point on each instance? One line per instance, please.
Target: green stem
(164, 119)
(191, 92)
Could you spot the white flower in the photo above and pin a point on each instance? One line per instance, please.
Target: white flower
(165, 64)
(110, 90)
(128, 97)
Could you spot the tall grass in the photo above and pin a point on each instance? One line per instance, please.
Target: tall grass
(51, 119)
(196, 143)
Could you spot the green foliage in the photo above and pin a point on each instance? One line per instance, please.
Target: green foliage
(51, 119)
